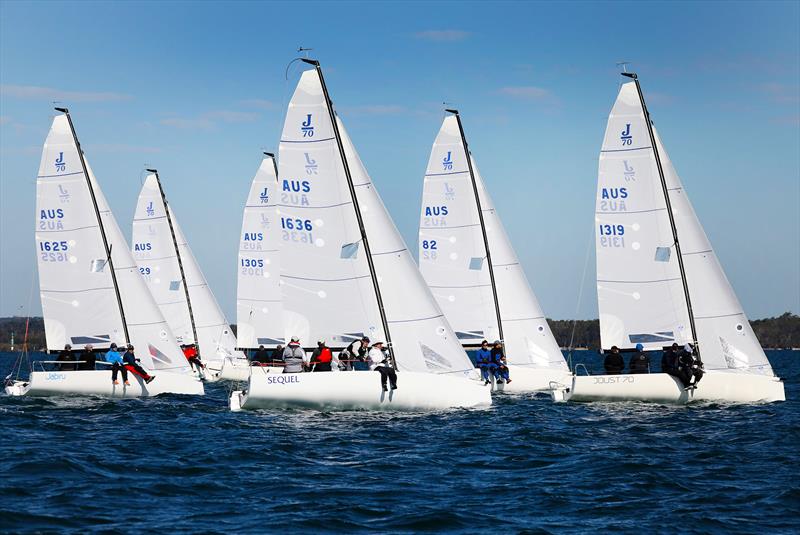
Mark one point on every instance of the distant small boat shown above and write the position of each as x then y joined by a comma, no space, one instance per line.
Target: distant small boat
179,287
346,272
472,269
658,279
91,289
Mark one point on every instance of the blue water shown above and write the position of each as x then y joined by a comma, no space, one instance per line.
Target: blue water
187,464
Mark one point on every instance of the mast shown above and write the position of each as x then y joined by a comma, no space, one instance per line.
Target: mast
360,219
635,78
178,255
483,227
65,111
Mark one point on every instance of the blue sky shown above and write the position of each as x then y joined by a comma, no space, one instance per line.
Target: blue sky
198,89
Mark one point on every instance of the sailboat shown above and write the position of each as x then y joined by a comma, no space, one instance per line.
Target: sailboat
473,271
91,289
178,286
346,272
259,309
659,281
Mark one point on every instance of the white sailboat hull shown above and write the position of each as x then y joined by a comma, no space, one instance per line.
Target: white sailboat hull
98,383
227,369
359,390
663,388
524,379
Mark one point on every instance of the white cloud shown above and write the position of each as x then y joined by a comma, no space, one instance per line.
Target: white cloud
257,103
442,35
122,148
374,109
50,93
208,120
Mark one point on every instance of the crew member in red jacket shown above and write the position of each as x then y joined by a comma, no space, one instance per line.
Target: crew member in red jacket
321,357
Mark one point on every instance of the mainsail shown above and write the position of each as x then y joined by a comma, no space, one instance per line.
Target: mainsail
646,295
91,289
174,277
337,285
259,310
455,263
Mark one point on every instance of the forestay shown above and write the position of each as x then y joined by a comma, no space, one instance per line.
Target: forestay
157,257
454,261
639,286
726,340
79,298
259,310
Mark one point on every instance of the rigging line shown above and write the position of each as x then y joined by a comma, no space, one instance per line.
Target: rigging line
24,356
580,298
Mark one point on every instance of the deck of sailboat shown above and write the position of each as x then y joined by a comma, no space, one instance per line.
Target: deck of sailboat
98,383
355,390
715,386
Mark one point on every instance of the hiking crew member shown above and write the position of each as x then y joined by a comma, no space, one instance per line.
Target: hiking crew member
689,367
66,357
321,357
483,359
498,359
131,364
379,362
261,357
669,361
614,363
640,361
190,352
355,351
114,357
294,356
88,358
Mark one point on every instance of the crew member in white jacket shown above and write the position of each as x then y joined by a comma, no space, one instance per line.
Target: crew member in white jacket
379,361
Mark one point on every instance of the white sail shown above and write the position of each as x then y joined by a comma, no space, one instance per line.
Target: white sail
453,260
326,286
79,300
725,339
259,309
639,287
421,335
451,249
157,257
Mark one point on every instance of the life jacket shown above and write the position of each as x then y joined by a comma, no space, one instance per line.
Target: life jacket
325,355
189,352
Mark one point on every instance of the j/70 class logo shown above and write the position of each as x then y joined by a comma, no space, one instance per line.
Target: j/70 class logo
61,165
447,162
307,128
626,137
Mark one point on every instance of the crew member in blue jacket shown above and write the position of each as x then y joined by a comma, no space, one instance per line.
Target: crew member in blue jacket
483,359
114,357
499,362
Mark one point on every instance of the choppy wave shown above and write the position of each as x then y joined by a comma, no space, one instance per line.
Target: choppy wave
187,464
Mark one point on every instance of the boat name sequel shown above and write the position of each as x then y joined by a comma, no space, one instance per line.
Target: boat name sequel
282,379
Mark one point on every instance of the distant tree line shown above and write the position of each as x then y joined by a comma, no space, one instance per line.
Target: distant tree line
780,332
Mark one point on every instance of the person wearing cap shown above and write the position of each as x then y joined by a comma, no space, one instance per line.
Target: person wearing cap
669,360
321,358
357,350
66,360
687,365
614,363
114,357
294,356
639,362
132,365
483,358
498,360
379,362
88,358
